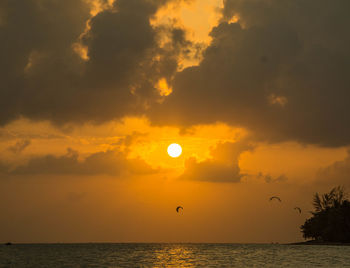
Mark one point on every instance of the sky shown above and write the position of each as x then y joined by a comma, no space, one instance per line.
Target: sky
93,92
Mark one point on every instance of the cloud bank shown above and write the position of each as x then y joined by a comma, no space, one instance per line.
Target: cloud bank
221,167
277,68
112,163
61,64
280,69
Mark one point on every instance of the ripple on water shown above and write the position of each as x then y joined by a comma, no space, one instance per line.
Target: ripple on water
173,255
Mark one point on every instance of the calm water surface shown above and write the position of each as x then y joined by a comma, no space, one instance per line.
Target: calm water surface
173,255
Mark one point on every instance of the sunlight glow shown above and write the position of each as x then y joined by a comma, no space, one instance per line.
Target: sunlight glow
174,150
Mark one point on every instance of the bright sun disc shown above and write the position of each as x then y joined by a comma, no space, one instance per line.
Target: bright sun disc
174,150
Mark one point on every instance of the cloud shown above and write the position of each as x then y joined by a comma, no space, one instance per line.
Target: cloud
113,163
37,53
222,167
269,179
280,70
211,171
337,173
19,146
44,78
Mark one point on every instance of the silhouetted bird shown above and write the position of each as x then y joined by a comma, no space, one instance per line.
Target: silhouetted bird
275,197
299,209
178,208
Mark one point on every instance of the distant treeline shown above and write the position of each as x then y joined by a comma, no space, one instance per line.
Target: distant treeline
330,221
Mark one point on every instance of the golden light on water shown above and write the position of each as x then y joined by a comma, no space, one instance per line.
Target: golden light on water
174,150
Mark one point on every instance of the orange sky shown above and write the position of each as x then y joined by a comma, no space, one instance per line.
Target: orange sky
91,164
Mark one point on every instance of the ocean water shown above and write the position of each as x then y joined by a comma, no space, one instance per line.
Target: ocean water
173,255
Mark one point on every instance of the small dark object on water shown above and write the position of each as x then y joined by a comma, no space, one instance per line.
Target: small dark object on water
8,244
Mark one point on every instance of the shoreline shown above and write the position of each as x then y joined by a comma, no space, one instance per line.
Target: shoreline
319,243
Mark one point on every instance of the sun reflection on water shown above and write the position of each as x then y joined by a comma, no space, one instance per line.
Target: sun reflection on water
174,256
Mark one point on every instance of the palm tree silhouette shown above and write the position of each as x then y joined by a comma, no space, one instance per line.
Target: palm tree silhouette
334,198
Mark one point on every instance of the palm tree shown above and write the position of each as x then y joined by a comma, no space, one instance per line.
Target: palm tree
334,198
330,220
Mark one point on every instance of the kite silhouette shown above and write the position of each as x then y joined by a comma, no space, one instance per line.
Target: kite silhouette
275,197
299,209
178,208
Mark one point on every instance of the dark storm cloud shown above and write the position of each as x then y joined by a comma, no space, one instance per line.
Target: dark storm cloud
282,71
42,77
221,167
35,51
113,163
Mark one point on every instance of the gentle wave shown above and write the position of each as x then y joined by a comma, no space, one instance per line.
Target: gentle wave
173,255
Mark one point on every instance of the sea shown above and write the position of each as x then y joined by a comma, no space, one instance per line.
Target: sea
173,255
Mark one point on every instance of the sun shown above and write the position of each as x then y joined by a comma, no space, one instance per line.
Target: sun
174,150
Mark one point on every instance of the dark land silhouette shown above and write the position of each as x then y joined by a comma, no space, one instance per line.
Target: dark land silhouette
330,221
